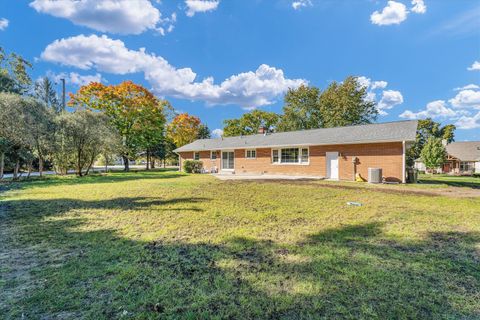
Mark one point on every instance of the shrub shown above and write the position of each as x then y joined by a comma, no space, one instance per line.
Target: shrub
192,166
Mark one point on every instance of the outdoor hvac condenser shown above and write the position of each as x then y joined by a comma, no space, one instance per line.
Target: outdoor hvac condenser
374,175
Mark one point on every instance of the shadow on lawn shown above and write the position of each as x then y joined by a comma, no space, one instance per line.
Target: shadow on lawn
452,181
347,272
71,179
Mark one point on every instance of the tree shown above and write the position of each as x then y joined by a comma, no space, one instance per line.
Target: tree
14,73
184,129
45,92
433,153
346,103
82,135
203,132
340,104
428,128
249,123
301,110
128,107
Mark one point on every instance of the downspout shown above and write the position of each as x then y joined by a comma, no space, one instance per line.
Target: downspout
404,169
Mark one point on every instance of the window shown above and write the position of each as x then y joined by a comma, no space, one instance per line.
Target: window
290,156
251,154
275,156
466,166
213,155
196,156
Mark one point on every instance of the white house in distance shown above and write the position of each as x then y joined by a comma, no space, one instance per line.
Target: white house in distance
462,158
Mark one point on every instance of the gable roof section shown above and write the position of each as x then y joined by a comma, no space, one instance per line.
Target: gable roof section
464,151
370,133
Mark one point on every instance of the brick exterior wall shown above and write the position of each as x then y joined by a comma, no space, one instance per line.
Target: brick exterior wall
388,156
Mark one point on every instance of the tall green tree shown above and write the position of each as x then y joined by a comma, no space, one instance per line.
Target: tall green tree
45,92
346,103
301,110
14,75
249,123
428,128
203,132
433,153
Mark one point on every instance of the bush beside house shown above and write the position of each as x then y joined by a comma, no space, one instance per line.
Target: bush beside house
192,166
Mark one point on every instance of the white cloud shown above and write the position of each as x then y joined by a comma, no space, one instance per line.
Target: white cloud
393,13
390,98
301,3
475,66
466,122
418,6
248,89
76,79
194,6
3,23
466,99
217,133
114,16
467,87
434,109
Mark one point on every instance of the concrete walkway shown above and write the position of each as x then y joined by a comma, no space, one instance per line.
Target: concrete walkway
264,177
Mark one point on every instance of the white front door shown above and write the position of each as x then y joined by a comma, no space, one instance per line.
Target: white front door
228,160
332,165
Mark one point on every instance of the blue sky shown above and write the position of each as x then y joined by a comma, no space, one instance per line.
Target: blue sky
220,58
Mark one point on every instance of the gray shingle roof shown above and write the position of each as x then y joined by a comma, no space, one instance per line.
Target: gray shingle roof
369,133
465,151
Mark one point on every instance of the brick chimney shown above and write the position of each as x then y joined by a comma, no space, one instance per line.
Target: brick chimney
262,130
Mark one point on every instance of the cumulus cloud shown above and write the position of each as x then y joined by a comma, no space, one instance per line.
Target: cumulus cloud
393,13
390,98
461,109
195,6
434,109
217,133
76,79
301,3
418,6
3,23
466,99
248,89
475,66
466,122
467,87
114,16
396,12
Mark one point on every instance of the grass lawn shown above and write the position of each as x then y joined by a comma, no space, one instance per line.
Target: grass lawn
161,245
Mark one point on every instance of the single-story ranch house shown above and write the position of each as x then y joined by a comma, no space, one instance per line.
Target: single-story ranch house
333,153
462,158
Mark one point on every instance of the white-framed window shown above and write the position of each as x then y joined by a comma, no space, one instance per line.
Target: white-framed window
196,156
467,166
291,155
251,154
213,155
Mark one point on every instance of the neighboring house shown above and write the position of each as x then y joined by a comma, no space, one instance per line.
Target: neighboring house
334,153
462,158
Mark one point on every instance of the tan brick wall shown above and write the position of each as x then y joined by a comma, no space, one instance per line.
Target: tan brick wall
387,156
204,157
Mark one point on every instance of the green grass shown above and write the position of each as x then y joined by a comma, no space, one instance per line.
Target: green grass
164,245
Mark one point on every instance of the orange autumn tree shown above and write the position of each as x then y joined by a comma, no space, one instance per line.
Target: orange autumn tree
184,129
137,114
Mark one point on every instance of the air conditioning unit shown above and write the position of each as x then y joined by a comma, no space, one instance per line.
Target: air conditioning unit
374,175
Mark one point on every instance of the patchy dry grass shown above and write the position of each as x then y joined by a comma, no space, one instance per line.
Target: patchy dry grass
167,245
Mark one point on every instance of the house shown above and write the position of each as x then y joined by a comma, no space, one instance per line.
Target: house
333,153
462,158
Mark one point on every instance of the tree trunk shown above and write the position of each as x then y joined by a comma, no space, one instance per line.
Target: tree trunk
152,162
106,163
164,162
126,163
40,166
2,164
16,169
148,160
30,164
